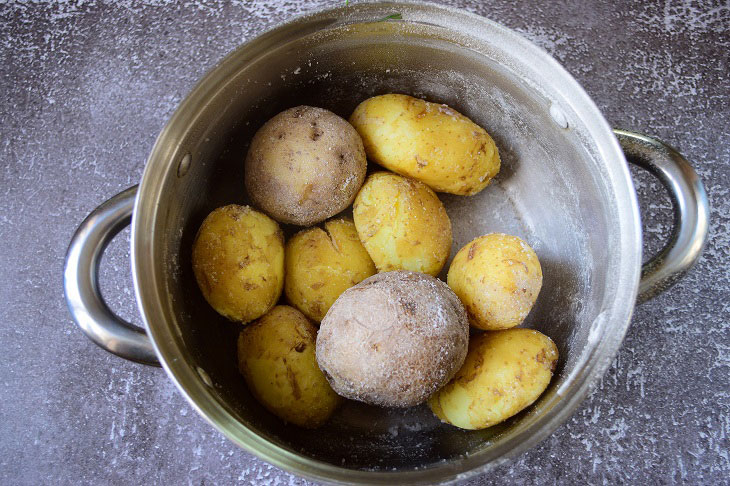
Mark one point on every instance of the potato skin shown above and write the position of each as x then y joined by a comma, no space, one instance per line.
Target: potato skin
238,261
393,339
402,224
304,165
276,356
504,372
321,264
427,141
498,278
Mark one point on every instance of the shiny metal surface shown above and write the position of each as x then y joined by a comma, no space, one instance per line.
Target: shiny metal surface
564,187
81,282
691,211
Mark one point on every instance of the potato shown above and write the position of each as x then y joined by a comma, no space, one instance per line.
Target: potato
321,264
393,339
238,261
427,141
304,165
276,355
504,372
402,224
498,278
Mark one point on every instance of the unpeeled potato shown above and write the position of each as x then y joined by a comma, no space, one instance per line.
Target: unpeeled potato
402,224
498,278
304,165
321,264
276,355
429,142
504,372
238,261
393,339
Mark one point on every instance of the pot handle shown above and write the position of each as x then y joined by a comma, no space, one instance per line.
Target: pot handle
81,285
691,211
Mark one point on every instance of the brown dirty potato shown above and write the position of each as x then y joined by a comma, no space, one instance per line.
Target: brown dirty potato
498,278
504,372
430,142
238,261
393,339
323,263
304,165
276,356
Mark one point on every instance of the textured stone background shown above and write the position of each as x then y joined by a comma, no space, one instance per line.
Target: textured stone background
85,86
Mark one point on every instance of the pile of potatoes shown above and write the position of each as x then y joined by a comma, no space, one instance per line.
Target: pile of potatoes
390,333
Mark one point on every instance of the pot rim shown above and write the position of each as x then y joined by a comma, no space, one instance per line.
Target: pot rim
150,296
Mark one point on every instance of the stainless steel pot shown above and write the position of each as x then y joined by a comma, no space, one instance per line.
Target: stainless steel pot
564,187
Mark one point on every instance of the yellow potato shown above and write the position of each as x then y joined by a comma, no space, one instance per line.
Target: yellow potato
402,224
238,261
497,277
321,264
427,141
276,356
504,372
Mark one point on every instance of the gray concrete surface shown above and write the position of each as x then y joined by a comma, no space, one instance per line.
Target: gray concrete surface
85,86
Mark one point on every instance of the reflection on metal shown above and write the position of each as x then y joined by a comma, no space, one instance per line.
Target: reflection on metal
691,211
568,189
81,286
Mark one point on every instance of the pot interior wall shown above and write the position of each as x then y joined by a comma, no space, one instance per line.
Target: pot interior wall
549,192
